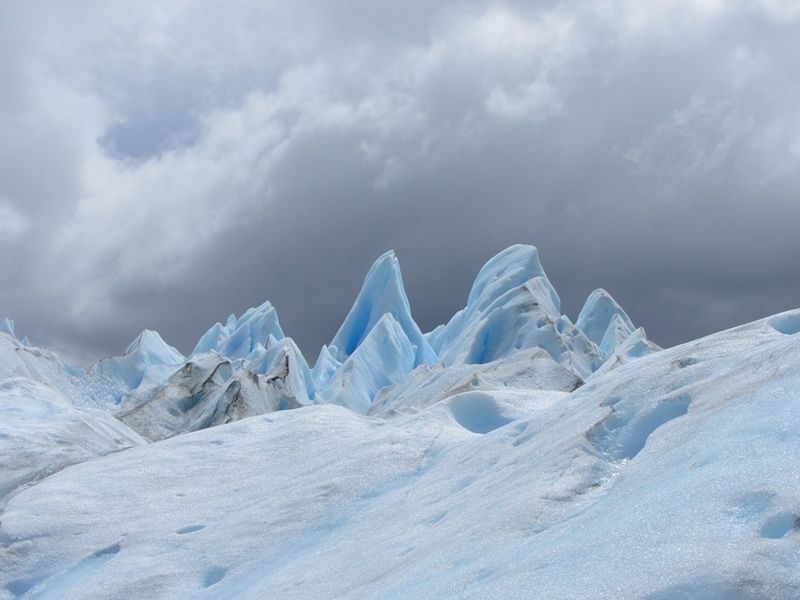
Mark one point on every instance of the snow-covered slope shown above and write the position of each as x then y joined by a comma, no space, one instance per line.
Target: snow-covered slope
532,369
41,433
673,476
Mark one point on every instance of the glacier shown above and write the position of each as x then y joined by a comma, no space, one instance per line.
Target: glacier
510,452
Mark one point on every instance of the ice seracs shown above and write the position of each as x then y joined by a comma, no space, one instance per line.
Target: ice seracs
147,362
381,294
239,337
616,333
208,391
284,355
243,369
512,306
385,356
377,345
7,327
600,314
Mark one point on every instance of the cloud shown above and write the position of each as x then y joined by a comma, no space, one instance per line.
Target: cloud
783,11
696,138
178,162
12,223
536,100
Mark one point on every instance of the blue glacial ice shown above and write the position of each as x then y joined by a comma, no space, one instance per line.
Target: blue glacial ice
385,356
512,307
597,316
377,345
147,362
239,337
7,326
381,294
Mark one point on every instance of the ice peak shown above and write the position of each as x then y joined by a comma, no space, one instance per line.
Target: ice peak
239,337
146,357
382,293
511,268
510,301
153,349
597,316
7,326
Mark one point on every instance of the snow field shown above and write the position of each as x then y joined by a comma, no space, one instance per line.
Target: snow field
600,493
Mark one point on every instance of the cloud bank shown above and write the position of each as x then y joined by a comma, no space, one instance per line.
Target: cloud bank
165,164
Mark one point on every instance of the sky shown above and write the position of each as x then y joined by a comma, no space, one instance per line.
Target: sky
166,164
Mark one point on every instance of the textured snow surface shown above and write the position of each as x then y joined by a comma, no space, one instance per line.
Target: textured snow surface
587,463
41,433
528,370
671,477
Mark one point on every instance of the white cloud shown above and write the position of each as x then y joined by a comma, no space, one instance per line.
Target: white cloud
535,101
12,223
695,139
668,20
783,11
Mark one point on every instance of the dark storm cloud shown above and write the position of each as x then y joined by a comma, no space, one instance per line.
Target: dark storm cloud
164,166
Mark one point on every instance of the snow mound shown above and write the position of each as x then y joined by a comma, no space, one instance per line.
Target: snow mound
532,369
787,323
477,412
41,433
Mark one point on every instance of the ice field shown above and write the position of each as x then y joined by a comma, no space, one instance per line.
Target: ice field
509,453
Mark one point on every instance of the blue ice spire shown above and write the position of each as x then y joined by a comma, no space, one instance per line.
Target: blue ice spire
7,326
382,293
597,316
